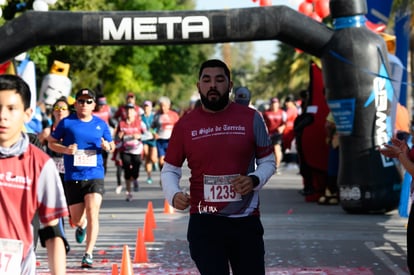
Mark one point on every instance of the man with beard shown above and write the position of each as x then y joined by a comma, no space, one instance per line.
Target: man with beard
219,141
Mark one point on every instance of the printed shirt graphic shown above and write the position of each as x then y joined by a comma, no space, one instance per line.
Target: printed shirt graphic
219,144
88,137
28,182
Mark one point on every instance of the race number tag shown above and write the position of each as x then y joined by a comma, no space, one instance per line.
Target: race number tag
11,254
59,165
85,158
219,189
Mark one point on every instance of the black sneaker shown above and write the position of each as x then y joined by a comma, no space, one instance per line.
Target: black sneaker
136,186
87,260
128,196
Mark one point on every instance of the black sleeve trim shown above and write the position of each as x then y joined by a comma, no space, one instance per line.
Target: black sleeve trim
255,179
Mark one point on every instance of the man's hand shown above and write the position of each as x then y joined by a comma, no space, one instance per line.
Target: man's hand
181,200
242,184
105,145
71,149
395,149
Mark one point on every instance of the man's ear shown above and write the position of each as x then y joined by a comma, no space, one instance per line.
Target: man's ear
28,114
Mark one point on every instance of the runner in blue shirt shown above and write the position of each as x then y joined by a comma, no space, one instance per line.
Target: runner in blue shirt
82,138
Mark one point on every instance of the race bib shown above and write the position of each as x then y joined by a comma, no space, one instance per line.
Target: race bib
59,165
219,189
134,147
11,254
85,158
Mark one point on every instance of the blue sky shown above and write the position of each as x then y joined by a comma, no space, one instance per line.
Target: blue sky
265,49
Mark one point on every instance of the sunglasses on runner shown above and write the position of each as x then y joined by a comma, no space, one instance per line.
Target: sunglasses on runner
83,101
60,108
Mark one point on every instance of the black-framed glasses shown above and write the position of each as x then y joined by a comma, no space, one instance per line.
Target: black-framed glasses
60,108
83,101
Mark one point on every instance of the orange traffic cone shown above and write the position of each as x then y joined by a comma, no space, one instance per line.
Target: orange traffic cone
140,250
126,265
148,233
150,213
168,209
115,269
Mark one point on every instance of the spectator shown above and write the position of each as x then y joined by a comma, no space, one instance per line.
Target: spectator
399,149
331,195
288,134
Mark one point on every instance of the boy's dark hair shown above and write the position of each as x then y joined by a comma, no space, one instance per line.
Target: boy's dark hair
14,82
213,63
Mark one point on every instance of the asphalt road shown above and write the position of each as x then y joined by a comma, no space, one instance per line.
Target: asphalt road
300,237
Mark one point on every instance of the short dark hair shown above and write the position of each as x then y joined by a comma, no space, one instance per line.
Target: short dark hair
14,82
213,63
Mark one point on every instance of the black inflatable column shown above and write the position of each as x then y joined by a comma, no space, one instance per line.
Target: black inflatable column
359,94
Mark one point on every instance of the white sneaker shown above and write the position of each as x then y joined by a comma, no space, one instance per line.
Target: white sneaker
118,189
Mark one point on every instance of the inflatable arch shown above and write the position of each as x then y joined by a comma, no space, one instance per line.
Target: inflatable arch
355,69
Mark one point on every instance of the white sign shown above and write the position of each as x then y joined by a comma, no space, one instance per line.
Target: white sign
148,28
